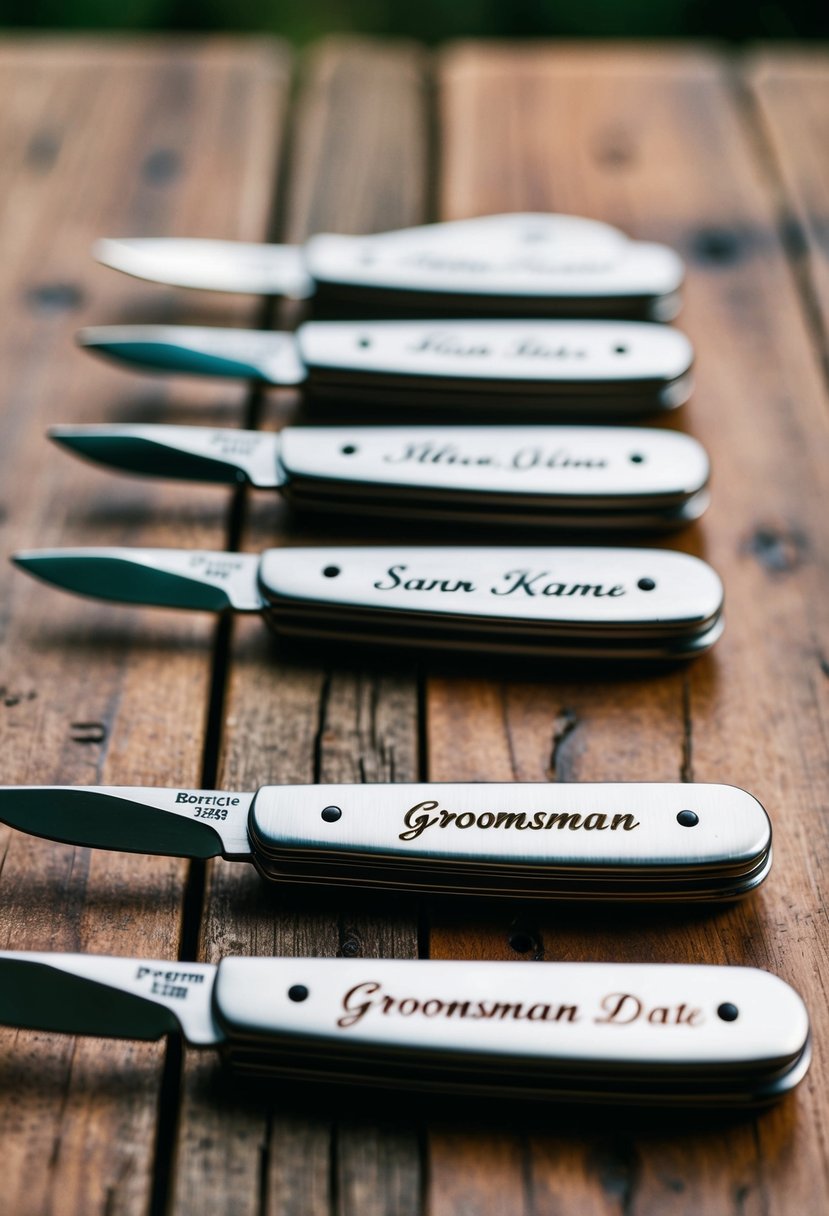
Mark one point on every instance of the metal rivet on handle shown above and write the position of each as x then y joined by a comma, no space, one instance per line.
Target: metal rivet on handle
331,571
620,350
297,992
364,342
728,1012
636,458
646,584
348,449
688,819
331,814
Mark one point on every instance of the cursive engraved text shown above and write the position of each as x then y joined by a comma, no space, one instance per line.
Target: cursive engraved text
430,814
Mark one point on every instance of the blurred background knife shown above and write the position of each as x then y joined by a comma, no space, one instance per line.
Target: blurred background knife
504,265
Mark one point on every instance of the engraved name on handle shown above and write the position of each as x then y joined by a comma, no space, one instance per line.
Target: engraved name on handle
577,461
611,1012
499,350
646,825
583,585
520,253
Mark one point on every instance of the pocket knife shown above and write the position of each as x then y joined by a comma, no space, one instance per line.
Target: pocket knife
567,477
535,602
574,368
631,842
645,1033
510,265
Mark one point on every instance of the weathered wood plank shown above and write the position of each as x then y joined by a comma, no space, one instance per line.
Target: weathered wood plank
101,138
789,91
358,155
642,138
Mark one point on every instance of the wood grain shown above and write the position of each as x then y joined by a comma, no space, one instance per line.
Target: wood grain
788,92
101,138
358,152
675,145
641,138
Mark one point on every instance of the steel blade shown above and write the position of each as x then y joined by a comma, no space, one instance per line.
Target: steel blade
116,997
132,819
187,453
200,350
237,266
165,578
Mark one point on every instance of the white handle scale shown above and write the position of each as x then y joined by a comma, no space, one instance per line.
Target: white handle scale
642,602
594,841
582,467
534,263
628,366
644,1032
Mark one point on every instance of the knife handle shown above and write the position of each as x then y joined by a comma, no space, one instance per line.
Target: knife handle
597,841
592,1029
520,265
526,472
547,602
623,365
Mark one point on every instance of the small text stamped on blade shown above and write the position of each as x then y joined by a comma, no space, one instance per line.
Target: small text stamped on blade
169,983
237,443
215,565
419,818
615,1009
207,806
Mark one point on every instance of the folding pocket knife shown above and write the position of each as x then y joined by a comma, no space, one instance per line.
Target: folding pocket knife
535,602
510,265
567,477
644,1033
626,842
561,368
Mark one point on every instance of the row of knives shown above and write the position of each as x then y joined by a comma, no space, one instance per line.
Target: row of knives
655,1034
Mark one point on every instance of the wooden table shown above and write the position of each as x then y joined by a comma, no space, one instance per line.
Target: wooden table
723,158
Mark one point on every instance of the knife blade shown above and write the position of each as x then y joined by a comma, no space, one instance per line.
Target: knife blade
629,842
568,477
510,265
522,602
646,1033
569,368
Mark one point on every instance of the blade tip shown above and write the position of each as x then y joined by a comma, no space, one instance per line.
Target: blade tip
105,248
90,335
60,434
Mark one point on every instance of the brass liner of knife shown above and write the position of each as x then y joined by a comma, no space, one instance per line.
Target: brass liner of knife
508,265
649,1034
617,478
629,842
546,603
572,369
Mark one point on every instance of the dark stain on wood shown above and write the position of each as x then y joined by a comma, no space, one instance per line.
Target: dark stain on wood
777,550
161,167
49,298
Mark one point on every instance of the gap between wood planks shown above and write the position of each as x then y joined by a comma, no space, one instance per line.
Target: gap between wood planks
741,73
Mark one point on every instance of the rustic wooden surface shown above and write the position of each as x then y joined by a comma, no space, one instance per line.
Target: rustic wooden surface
722,158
